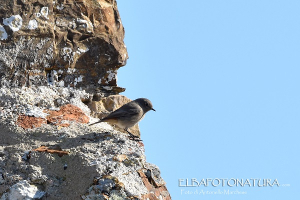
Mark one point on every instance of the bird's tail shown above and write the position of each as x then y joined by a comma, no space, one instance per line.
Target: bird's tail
95,123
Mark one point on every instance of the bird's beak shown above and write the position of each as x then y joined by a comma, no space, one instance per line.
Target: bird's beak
153,109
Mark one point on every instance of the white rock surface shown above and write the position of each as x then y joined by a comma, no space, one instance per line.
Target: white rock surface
23,191
101,161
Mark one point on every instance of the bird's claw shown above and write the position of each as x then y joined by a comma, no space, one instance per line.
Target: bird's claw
134,138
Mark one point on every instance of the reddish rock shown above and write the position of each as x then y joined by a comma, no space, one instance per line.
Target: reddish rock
55,149
30,122
156,191
67,112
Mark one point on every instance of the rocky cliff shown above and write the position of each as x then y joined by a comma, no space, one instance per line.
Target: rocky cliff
58,68
76,43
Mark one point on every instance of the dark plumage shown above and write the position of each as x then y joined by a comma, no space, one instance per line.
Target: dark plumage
129,114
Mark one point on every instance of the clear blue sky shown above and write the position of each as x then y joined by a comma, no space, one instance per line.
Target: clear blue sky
224,77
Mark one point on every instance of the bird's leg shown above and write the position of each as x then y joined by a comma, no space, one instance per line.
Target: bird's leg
133,137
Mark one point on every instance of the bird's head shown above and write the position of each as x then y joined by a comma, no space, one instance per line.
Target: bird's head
145,104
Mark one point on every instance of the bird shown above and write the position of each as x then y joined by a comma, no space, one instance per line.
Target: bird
128,115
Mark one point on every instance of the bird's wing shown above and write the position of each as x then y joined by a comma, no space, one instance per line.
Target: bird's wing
125,111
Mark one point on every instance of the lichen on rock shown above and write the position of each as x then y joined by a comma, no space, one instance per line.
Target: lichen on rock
42,41
70,162
58,73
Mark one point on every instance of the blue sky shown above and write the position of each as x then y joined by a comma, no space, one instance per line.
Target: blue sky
223,76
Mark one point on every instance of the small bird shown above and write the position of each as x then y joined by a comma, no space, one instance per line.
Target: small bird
129,114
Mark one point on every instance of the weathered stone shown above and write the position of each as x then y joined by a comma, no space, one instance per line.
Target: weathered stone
55,149
30,121
153,173
156,191
58,66
67,112
120,158
109,104
23,191
63,43
62,117
98,161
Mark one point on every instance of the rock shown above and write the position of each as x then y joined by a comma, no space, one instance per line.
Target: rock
74,162
67,112
72,44
153,174
53,149
1,179
120,158
36,175
23,191
30,121
58,72
60,117
155,191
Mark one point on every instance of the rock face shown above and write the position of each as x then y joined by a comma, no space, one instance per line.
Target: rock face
58,67
52,161
63,43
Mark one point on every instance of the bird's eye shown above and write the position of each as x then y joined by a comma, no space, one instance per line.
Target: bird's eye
146,104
